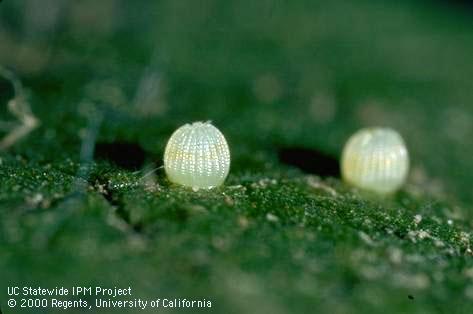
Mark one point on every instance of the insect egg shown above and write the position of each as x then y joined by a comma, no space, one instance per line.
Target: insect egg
197,156
375,159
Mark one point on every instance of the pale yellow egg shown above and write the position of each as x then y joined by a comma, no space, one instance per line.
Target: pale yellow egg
197,156
375,159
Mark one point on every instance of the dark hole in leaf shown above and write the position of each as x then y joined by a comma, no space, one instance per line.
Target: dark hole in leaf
310,161
410,297
123,154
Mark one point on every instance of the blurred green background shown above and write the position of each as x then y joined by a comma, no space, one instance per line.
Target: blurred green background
109,82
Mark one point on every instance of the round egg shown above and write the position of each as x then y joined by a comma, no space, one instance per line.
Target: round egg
375,159
197,156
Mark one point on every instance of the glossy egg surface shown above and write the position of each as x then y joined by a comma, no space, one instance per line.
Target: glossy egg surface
197,156
375,159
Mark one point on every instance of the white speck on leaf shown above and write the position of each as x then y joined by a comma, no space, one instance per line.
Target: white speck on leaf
272,218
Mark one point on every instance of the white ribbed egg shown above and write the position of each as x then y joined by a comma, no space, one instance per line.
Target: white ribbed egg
197,156
375,159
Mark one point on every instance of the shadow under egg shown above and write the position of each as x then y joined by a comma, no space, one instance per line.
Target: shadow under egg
310,161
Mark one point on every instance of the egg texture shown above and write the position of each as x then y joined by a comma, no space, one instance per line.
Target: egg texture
375,159
197,156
